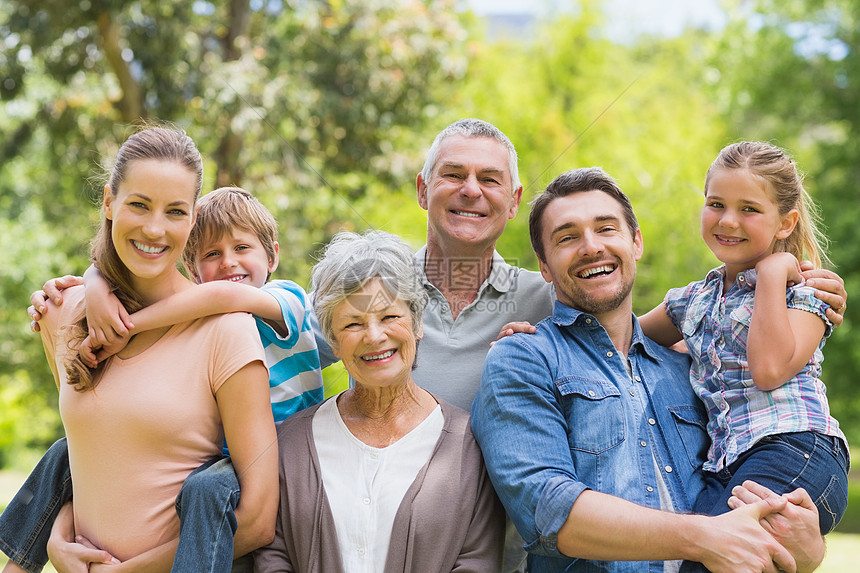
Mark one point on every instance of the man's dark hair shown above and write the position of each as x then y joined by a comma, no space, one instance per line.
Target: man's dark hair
568,183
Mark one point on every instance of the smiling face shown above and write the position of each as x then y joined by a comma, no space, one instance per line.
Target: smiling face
469,197
374,336
590,252
237,257
740,220
152,214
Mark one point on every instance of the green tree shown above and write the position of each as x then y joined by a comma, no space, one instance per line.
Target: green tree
310,105
570,98
789,72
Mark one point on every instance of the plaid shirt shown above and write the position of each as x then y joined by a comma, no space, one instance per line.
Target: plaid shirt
715,328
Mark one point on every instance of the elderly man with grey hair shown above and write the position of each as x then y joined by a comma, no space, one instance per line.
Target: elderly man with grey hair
470,188
385,476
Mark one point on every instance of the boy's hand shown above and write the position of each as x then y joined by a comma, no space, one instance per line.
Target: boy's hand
830,288
92,353
53,291
87,352
54,288
108,321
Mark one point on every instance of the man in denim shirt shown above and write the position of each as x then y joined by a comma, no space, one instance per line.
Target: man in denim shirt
591,434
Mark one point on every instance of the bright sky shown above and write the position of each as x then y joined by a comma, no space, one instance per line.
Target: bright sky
626,16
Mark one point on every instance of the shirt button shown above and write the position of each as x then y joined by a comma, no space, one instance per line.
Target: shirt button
591,393
652,421
668,469
374,455
365,500
637,379
632,393
361,551
609,354
649,488
587,321
642,443
806,456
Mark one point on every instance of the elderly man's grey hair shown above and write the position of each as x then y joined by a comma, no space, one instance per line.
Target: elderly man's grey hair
471,127
351,260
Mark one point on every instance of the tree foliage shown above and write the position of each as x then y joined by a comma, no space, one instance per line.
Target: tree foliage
325,108
790,73
312,105
571,98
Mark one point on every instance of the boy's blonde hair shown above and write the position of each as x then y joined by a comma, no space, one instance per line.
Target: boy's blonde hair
221,212
779,172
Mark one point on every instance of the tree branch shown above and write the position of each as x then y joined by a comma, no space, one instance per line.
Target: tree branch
130,105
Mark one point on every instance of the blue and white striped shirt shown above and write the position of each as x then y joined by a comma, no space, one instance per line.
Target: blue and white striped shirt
295,379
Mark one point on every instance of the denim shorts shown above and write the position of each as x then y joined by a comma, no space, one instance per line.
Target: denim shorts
784,462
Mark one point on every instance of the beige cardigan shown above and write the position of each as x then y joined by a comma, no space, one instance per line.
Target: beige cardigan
449,520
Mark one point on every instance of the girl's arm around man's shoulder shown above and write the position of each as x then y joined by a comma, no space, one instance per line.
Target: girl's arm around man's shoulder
657,326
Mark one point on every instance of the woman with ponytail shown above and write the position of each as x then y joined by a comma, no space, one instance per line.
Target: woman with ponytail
143,420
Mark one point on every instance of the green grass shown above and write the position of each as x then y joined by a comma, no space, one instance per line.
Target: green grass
843,552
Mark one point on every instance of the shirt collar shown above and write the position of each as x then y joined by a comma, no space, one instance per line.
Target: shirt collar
501,274
418,261
563,315
745,280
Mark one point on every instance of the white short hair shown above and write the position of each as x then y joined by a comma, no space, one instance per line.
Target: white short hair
471,127
352,260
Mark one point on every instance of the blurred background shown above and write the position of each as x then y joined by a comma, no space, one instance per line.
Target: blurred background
325,110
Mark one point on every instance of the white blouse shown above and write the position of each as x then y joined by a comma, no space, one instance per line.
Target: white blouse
365,485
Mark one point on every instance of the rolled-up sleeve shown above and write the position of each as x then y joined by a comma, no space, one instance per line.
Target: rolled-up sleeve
520,423
675,302
801,297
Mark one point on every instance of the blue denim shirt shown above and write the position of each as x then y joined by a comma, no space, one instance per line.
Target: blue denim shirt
557,413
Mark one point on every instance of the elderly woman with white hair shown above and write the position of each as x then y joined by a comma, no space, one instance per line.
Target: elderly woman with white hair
384,477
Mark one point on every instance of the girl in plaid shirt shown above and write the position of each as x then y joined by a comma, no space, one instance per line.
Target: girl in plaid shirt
755,342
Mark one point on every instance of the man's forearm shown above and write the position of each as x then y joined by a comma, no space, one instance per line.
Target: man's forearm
607,528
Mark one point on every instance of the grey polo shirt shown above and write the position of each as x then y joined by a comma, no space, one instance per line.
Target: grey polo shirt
452,352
